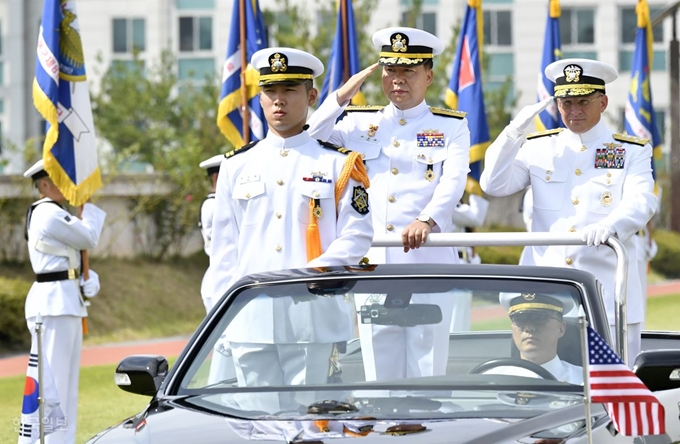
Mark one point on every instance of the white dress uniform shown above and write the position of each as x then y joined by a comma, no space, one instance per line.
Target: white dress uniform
417,160
572,189
55,238
261,219
562,371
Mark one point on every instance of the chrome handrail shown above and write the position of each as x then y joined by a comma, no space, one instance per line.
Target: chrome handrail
536,239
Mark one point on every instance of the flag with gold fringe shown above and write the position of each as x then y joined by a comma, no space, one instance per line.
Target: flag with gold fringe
640,119
549,118
465,89
61,96
230,109
344,60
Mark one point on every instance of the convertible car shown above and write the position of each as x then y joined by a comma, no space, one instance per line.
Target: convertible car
487,395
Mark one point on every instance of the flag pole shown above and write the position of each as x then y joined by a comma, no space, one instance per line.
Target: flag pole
244,65
583,324
41,395
345,43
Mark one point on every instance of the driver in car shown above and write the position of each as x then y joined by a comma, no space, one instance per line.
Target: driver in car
537,326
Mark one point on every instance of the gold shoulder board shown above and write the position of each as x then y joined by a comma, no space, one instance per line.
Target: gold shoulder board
364,108
448,112
332,146
630,139
538,134
243,149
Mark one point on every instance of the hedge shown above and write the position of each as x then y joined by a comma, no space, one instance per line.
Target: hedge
667,260
14,335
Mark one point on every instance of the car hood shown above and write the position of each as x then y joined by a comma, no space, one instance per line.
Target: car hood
170,422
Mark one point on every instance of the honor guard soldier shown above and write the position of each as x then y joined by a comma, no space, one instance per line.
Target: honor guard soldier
205,222
585,178
417,158
55,238
287,201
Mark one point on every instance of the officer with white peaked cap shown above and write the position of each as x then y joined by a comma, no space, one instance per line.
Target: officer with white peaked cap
55,238
585,178
417,157
287,201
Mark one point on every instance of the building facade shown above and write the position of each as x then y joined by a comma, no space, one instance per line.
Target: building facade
196,31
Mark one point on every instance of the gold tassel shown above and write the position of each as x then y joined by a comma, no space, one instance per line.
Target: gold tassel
313,235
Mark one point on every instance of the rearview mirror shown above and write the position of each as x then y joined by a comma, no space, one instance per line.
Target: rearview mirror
408,316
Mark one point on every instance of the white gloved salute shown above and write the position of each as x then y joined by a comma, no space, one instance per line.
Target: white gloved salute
525,116
91,286
596,234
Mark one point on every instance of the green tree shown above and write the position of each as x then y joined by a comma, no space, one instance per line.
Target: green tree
147,115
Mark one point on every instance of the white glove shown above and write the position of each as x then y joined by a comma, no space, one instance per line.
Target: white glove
526,115
91,286
596,234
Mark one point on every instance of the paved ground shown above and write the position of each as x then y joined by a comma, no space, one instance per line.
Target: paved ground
113,353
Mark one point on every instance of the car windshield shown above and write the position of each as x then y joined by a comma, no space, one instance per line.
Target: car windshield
511,349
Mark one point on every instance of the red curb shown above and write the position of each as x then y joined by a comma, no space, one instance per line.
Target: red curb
112,354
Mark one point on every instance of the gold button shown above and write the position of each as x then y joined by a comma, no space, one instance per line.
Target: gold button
572,229
316,194
277,248
390,227
608,181
548,171
284,153
578,172
609,174
569,261
278,215
402,121
391,199
547,177
395,171
583,148
247,195
280,182
575,201
395,143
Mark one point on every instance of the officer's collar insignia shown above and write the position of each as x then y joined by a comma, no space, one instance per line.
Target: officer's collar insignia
360,200
529,296
572,73
613,155
430,138
278,63
399,42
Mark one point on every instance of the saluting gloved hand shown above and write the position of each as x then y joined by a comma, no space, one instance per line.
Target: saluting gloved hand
525,116
596,234
91,286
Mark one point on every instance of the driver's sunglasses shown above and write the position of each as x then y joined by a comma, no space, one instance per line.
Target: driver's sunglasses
535,319
582,103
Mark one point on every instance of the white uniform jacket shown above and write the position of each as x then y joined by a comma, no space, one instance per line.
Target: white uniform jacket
53,225
562,371
260,224
207,208
570,192
400,151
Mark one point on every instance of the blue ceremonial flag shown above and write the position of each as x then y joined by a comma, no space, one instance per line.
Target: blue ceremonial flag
344,60
640,119
465,89
230,113
549,118
61,96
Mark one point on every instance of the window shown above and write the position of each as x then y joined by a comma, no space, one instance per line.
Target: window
498,27
195,34
577,27
196,69
627,35
427,21
195,4
128,35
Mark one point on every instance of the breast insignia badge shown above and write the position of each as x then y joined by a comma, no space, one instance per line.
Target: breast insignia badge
606,198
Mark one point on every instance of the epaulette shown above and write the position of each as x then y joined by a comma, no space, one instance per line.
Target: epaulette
243,149
334,147
630,139
448,112
364,108
538,134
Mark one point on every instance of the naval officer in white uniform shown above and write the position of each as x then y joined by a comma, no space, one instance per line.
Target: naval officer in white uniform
205,221
288,201
55,238
417,157
585,178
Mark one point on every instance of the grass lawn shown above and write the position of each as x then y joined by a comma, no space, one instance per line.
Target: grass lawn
663,313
